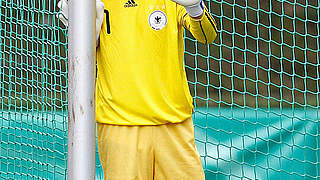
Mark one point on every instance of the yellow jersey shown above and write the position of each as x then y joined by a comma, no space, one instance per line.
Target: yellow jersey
141,78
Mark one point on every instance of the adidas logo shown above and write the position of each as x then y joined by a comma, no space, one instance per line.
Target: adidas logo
130,3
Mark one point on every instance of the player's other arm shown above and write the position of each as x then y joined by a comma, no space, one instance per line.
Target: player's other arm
199,22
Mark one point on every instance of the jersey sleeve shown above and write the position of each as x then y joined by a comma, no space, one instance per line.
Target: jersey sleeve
204,29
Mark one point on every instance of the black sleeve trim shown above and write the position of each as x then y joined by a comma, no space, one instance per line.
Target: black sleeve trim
183,20
205,37
213,24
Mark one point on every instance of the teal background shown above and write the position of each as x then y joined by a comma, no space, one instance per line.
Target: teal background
233,143
256,90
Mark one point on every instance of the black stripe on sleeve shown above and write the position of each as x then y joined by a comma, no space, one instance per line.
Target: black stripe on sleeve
183,20
205,37
184,15
214,27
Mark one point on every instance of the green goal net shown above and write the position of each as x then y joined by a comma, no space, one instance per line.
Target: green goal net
33,86
256,91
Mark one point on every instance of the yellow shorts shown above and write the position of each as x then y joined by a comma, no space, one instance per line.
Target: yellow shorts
163,152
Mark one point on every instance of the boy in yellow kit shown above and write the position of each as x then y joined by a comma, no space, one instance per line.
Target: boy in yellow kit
143,103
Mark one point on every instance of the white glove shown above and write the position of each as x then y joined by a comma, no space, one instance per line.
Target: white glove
193,7
63,12
63,15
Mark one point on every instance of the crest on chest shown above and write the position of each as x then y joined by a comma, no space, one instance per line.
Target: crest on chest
157,20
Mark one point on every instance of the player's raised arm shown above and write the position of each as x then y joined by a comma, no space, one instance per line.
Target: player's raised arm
195,17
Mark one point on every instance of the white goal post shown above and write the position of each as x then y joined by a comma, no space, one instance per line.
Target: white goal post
81,81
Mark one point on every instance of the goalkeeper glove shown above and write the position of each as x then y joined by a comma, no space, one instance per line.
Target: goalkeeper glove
63,15
193,7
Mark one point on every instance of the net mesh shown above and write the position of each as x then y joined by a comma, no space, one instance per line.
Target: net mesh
33,91
255,89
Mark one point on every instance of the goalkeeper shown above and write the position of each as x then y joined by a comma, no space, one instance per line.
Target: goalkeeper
143,104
